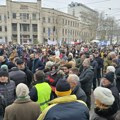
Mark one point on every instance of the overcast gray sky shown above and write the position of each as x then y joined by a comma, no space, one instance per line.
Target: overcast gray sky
100,5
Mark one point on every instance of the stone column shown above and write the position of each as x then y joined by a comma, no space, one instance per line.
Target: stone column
18,33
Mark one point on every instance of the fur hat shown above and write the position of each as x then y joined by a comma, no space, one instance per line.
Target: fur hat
110,76
62,88
111,69
22,90
104,95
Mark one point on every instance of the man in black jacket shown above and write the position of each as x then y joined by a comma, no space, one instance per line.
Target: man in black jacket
86,79
37,63
94,64
73,80
17,76
29,74
100,66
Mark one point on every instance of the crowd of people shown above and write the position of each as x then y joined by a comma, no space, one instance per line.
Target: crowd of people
42,82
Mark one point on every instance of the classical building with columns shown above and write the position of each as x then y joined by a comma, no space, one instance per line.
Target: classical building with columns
28,23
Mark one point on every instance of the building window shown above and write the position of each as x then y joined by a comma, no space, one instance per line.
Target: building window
34,16
5,18
44,30
0,28
34,26
53,20
14,15
49,31
5,28
68,22
24,27
0,17
63,32
44,19
63,21
48,20
14,27
24,16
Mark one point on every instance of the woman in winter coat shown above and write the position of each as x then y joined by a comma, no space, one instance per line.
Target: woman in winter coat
22,108
103,101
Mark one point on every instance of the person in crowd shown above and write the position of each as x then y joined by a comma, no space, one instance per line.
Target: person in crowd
94,64
30,61
66,106
22,108
48,66
4,61
82,58
110,69
103,102
108,82
74,82
1,50
74,70
86,79
66,68
21,66
71,60
7,88
100,66
108,60
37,63
53,77
63,56
117,117
116,64
41,91
57,51
5,68
17,76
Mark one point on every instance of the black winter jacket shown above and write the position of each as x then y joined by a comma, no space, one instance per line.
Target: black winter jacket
80,94
86,79
17,76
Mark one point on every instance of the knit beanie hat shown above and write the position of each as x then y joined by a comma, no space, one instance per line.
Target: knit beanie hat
104,95
110,76
4,67
4,73
22,90
62,88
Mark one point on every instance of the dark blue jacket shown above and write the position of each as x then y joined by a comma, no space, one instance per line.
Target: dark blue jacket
66,108
37,64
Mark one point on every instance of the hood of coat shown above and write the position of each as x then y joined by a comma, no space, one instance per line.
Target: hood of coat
64,99
22,100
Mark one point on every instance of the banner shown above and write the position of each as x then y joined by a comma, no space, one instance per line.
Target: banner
50,42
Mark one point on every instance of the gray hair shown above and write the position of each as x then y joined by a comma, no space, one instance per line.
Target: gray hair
74,78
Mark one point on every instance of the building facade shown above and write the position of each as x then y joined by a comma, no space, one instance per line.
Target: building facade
87,16
28,23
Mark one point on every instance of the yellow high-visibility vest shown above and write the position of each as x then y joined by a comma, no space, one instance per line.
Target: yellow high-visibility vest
43,94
